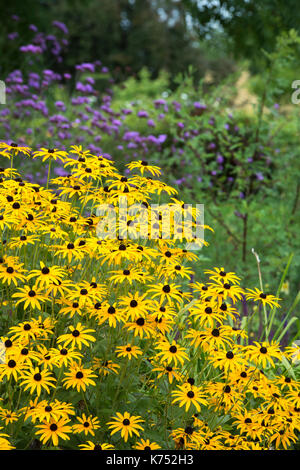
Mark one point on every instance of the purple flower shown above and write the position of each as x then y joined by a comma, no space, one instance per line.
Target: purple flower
31,48
61,26
220,158
211,146
142,113
259,176
176,105
86,67
60,105
159,102
12,36
199,105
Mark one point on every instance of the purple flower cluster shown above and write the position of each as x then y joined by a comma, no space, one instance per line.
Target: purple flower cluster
185,136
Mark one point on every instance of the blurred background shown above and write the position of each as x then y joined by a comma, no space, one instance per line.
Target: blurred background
201,88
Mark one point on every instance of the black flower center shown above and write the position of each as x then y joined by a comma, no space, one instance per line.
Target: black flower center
189,430
215,332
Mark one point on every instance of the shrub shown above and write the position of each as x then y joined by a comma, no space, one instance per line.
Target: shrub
111,342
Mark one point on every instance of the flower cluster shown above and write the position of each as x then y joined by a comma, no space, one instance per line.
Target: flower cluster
200,143
112,339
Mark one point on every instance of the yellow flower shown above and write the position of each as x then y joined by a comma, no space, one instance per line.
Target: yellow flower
125,423
129,351
54,430
188,395
79,377
78,336
87,424
146,445
50,153
35,380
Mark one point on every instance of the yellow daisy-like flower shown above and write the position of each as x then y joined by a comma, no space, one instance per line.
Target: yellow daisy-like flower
129,351
166,370
96,446
146,445
4,443
53,430
127,424
188,395
36,380
171,352
78,336
50,153
105,367
8,416
87,424
15,148
31,296
79,378
259,296
263,353
143,165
